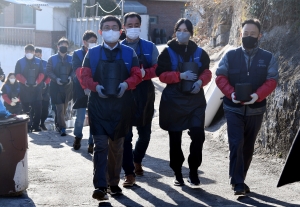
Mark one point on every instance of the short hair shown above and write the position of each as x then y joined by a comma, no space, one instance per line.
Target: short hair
29,47
188,24
88,34
132,15
62,40
252,21
108,18
38,50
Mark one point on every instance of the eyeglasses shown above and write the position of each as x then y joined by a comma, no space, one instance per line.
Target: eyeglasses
114,28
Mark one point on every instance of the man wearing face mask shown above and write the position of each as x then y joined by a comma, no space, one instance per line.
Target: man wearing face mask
245,69
29,72
59,69
80,96
110,71
143,94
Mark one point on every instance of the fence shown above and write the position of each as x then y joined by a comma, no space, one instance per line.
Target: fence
17,35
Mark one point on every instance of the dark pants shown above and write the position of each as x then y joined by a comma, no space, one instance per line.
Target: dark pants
34,110
45,111
242,132
197,136
141,145
61,110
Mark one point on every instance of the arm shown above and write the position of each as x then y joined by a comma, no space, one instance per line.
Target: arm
6,98
41,75
135,74
76,63
206,75
270,84
49,70
18,74
85,77
150,72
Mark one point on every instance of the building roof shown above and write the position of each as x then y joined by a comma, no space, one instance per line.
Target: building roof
28,2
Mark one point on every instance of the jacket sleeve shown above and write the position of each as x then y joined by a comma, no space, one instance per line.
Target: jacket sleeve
205,77
135,74
85,78
41,75
266,89
49,70
150,72
47,80
224,85
76,63
6,99
18,73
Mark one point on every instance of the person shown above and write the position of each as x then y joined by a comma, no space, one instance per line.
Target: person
110,71
184,67
2,75
144,96
11,94
257,68
45,92
59,69
80,96
29,72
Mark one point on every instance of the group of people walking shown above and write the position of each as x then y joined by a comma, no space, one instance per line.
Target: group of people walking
113,80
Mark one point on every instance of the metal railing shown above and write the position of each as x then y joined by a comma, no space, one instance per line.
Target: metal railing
17,35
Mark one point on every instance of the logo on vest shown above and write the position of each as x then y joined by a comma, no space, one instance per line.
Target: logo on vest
261,63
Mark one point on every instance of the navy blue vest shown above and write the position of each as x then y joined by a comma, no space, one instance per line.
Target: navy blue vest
256,74
44,63
79,54
9,89
55,59
23,62
94,56
174,58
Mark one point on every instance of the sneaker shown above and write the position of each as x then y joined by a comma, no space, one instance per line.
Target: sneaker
36,129
138,170
129,181
77,144
247,189
193,179
114,190
91,149
178,180
43,127
100,194
239,189
63,132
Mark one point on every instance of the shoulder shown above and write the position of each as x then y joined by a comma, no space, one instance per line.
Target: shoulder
147,42
266,52
126,48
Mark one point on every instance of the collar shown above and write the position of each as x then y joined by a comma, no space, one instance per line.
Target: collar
133,42
250,52
110,48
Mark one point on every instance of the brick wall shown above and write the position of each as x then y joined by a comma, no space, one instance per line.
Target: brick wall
168,14
48,38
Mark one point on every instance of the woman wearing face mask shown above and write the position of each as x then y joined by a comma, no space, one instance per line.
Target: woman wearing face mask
10,94
184,67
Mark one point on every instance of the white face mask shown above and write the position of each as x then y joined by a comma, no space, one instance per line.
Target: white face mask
12,80
92,45
29,56
110,36
133,33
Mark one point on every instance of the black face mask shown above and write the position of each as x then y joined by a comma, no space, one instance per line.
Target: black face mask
250,42
63,49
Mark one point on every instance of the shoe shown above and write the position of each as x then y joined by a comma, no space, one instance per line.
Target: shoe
114,190
43,127
129,181
239,189
91,149
36,129
138,170
29,129
76,144
247,189
178,180
100,194
193,179
63,132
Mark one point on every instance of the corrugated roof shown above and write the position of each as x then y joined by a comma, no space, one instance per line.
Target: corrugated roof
28,2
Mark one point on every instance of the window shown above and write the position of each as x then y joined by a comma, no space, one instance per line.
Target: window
24,15
153,19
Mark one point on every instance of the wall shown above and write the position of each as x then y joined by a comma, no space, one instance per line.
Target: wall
44,20
167,12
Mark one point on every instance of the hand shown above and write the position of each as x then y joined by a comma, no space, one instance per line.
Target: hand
143,72
233,98
254,97
188,75
15,100
196,86
58,81
45,85
35,84
87,91
70,80
99,89
122,87
26,84
12,103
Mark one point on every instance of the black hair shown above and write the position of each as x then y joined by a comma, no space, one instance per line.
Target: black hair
108,18
63,40
88,34
7,78
132,15
38,50
256,22
29,47
188,24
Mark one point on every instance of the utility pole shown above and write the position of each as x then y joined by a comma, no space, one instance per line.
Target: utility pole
122,11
